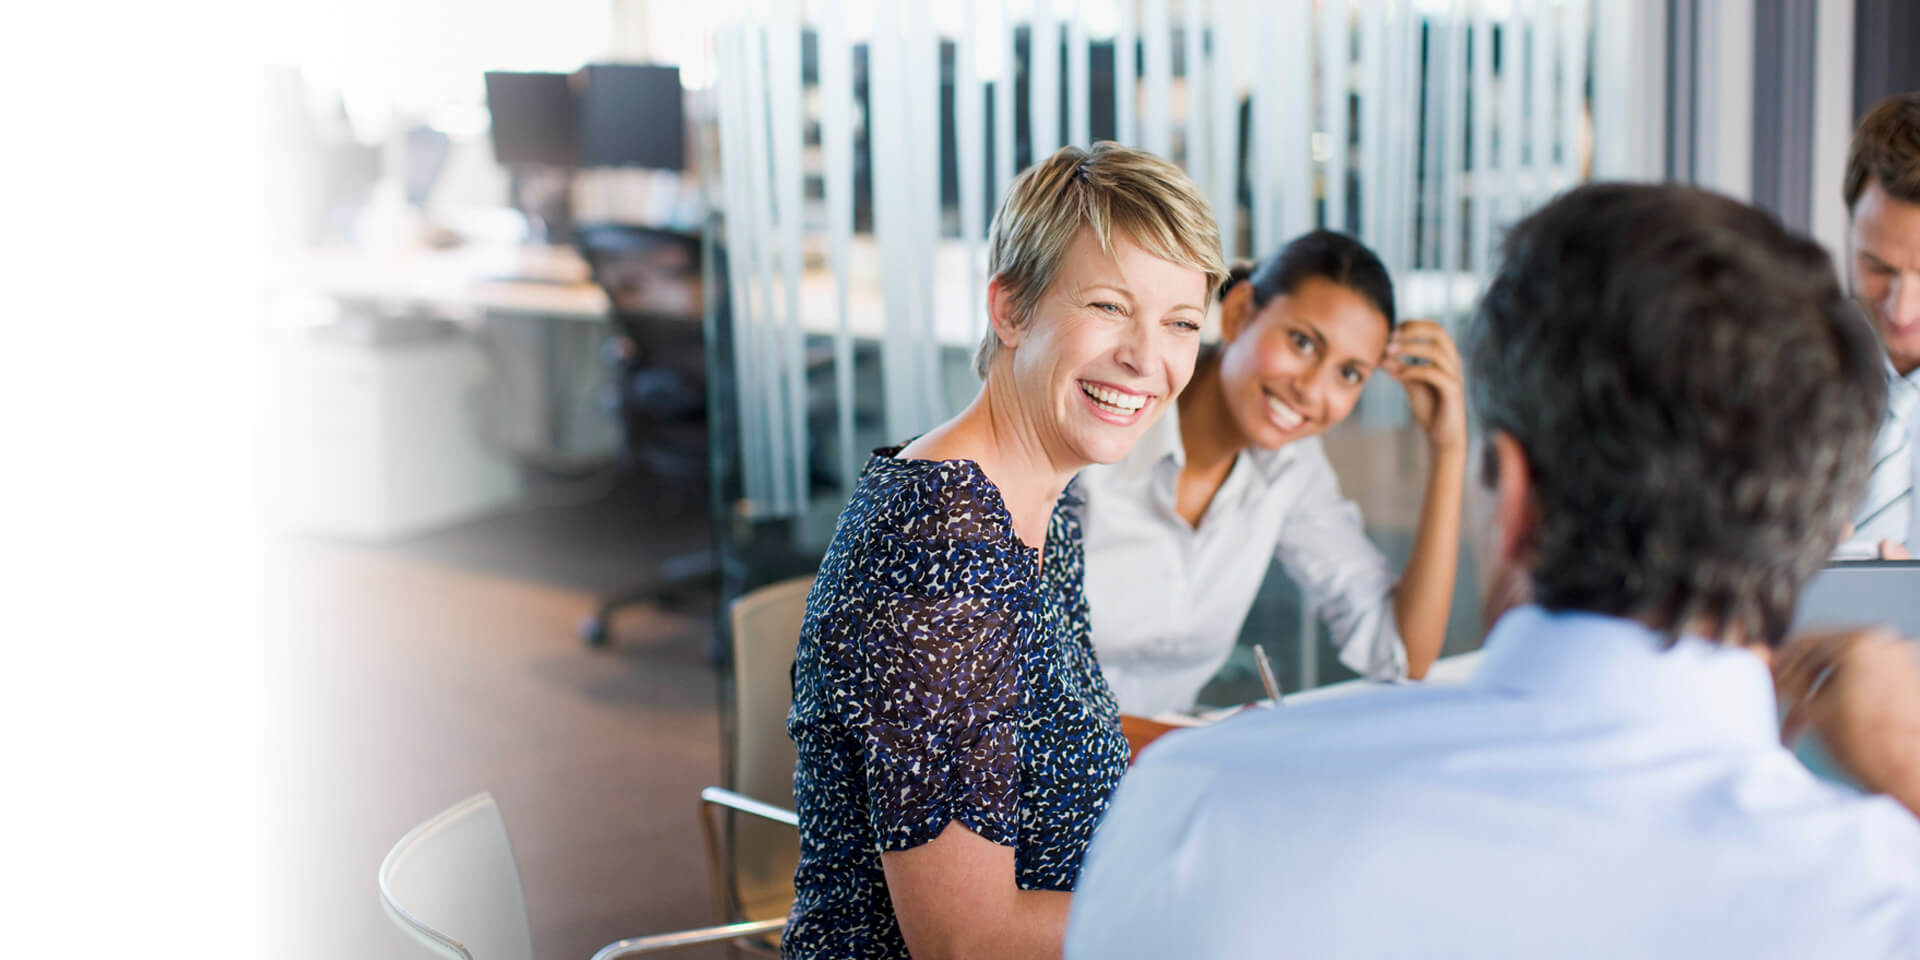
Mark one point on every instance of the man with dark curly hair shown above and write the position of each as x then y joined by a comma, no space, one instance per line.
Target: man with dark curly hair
1882,191
1678,402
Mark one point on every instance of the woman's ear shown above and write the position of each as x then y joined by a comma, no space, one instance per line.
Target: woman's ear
1002,312
1236,310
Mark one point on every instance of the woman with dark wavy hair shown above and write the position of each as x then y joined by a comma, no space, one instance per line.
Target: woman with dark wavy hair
1180,534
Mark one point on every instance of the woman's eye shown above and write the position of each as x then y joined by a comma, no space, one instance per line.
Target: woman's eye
1300,340
1187,326
1352,375
1107,307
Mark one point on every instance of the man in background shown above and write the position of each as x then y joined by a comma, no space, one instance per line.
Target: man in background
1679,402
1882,191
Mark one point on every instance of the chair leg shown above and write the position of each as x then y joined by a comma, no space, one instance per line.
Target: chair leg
667,586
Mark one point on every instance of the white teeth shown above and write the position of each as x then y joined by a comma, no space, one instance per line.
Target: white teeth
1285,416
1122,403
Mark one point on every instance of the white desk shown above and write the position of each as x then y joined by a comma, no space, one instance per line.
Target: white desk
375,436
1456,669
458,283
1445,671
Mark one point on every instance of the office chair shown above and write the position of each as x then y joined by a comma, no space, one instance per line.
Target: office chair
652,280
753,857
453,886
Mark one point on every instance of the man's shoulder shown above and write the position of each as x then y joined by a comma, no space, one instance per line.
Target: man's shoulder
1358,734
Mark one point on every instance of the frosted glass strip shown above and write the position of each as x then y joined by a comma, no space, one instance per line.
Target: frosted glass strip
1369,219
1393,105
1832,122
1224,94
1406,154
1264,109
1336,72
970,145
729,57
1427,253
1043,81
1508,206
1453,133
1156,27
1616,148
1573,92
1481,226
892,226
765,339
1079,80
1193,51
1294,147
1126,118
1003,107
923,85
1540,56
836,153
787,131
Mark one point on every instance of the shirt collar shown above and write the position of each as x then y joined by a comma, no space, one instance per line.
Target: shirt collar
1624,669
1162,442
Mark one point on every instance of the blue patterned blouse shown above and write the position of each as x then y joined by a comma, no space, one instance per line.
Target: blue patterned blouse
941,678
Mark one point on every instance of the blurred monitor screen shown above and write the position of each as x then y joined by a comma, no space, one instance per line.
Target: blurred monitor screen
536,119
633,116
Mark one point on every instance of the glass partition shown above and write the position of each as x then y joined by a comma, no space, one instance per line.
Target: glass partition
862,147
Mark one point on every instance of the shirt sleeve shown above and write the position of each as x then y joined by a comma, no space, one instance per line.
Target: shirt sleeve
1348,581
936,691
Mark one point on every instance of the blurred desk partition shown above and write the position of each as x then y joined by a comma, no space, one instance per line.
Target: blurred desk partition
440,374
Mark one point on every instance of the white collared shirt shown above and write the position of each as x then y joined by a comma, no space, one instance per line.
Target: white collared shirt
1913,444
1586,794
1866,546
1167,600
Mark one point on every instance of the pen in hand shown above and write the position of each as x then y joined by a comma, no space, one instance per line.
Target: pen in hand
1265,667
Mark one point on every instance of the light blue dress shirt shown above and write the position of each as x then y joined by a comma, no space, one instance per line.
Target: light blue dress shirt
1588,794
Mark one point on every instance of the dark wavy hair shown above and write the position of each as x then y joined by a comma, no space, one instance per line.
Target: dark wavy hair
1323,254
1694,396
1886,149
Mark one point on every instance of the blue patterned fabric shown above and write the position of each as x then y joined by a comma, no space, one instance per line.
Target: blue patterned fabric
940,678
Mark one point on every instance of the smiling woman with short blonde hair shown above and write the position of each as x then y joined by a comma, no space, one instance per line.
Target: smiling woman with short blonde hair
957,742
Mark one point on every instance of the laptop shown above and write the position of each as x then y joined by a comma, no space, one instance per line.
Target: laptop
1851,594
1862,593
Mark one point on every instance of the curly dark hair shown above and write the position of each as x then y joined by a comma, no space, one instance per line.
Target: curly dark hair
1694,395
1886,150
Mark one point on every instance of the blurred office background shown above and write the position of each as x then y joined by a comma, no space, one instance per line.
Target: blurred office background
579,319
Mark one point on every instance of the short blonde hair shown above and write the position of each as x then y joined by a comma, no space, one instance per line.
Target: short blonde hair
1107,188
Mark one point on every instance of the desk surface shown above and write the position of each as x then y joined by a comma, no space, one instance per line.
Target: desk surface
478,277
1445,671
458,280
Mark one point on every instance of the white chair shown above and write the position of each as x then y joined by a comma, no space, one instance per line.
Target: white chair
453,885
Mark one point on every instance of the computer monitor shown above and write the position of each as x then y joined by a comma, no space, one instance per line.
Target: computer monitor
633,116
536,119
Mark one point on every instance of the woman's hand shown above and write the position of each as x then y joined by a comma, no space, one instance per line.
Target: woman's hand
1424,359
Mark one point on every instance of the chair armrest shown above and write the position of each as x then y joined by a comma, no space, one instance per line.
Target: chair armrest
722,797
713,800
685,938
